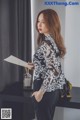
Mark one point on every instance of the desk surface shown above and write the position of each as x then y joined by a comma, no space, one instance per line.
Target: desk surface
18,99
73,102
17,94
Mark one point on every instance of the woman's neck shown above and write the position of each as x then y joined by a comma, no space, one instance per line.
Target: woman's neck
47,34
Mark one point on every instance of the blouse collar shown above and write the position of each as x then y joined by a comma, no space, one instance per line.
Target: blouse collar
48,37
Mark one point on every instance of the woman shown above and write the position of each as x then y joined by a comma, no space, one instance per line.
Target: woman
48,75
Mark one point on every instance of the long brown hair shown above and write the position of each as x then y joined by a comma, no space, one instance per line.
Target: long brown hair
52,22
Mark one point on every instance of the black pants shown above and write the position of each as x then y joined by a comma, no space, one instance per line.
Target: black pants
46,107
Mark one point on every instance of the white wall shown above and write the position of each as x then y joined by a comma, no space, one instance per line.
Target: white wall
72,41
66,114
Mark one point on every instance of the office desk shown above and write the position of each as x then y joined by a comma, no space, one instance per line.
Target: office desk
73,102
15,97
22,105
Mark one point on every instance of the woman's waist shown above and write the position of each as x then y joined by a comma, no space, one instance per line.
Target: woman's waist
37,84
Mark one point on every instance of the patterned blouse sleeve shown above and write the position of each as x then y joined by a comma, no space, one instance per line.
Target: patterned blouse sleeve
51,70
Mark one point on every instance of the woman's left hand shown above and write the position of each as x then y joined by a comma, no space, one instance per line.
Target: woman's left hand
38,95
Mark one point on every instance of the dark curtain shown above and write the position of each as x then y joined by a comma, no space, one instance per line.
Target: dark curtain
15,39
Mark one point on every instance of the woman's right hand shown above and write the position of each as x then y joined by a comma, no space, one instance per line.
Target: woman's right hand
30,66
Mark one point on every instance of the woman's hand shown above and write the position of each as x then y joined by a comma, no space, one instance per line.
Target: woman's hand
38,95
30,66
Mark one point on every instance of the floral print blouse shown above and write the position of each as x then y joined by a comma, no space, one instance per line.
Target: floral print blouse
48,66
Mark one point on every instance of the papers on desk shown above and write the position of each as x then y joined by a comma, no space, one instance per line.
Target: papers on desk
15,60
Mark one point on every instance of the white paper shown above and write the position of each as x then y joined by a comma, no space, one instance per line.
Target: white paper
15,60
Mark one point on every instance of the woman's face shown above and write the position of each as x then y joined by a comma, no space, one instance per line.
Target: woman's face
41,25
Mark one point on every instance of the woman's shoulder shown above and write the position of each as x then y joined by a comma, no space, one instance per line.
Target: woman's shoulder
51,42
44,46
